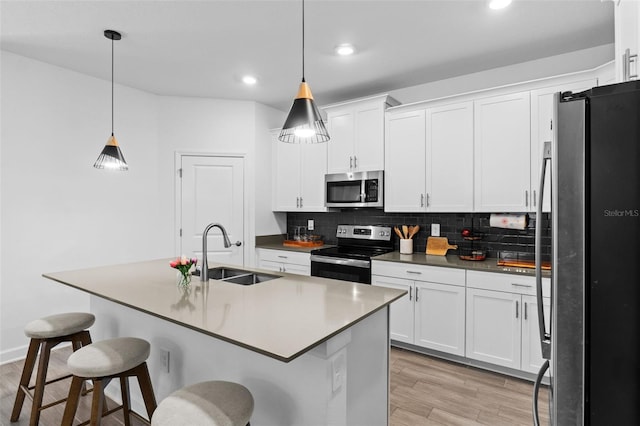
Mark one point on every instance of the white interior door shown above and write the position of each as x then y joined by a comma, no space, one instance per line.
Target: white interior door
212,191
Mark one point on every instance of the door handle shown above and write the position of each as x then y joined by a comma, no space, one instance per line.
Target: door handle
410,291
355,162
300,202
427,199
421,200
417,293
238,243
526,198
350,163
517,305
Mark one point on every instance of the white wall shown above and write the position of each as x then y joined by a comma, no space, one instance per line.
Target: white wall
58,212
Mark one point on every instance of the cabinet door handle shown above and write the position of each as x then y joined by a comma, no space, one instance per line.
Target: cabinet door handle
534,198
521,285
283,257
410,291
300,202
525,311
517,309
627,58
417,293
421,200
297,202
414,272
428,199
355,162
526,198
350,163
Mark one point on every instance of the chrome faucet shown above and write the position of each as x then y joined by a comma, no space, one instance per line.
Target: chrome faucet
204,270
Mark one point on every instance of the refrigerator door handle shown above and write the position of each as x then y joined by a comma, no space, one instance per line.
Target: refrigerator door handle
536,389
545,338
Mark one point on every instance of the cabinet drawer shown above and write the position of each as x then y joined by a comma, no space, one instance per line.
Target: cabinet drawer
285,256
510,283
419,272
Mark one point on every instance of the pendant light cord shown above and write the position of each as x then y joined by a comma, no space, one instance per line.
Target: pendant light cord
303,40
112,86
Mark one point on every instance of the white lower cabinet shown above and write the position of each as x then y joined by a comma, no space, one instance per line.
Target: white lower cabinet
531,351
493,327
284,261
432,313
502,320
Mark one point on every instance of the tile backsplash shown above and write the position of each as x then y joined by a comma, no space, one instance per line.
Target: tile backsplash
494,240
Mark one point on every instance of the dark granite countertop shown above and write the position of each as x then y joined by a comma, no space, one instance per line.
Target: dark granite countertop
453,261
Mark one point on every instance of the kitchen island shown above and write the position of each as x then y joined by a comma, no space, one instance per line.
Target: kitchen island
312,351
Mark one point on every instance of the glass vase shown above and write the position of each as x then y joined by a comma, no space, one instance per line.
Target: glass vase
183,279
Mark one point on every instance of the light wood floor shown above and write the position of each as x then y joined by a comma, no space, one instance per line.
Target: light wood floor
424,391
429,391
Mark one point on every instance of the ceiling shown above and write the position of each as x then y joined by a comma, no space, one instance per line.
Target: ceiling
202,48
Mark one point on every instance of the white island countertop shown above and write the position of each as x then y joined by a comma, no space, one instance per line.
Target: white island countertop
282,318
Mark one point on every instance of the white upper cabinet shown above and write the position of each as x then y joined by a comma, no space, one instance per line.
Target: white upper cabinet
429,159
627,39
502,153
449,173
405,156
298,173
357,134
542,107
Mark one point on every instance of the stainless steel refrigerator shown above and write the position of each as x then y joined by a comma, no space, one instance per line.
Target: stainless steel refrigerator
593,340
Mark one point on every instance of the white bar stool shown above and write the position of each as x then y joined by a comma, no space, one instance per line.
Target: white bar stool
46,333
214,403
102,361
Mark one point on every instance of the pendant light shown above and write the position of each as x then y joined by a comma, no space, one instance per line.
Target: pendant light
111,157
304,122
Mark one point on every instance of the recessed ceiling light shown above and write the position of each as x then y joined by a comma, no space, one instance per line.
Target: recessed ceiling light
499,4
345,49
249,80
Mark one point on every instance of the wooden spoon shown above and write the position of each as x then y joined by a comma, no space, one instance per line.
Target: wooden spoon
405,231
397,231
413,230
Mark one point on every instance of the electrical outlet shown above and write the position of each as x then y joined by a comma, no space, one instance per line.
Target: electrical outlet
310,225
164,359
435,229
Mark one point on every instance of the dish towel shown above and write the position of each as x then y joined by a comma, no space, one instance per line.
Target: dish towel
508,221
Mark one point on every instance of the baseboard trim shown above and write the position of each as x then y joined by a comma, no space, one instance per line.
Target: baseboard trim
20,353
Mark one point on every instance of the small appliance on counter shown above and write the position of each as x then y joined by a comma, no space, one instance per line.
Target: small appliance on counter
350,260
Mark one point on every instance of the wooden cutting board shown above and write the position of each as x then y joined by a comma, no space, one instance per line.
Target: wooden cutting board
439,246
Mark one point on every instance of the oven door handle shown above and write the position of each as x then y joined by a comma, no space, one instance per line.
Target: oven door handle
340,261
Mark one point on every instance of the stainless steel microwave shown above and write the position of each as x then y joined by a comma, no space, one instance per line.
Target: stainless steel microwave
361,189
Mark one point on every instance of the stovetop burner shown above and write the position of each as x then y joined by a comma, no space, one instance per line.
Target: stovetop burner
359,242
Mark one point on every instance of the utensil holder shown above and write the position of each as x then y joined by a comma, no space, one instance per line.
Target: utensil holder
406,246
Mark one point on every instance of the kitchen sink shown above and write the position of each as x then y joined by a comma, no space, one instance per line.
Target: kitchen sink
251,278
221,273
237,276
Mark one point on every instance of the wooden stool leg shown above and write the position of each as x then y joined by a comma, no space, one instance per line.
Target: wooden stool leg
97,401
142,372
41,379
27,370
72,401
126,400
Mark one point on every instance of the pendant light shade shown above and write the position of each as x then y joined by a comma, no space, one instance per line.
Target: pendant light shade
111,157
304,123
